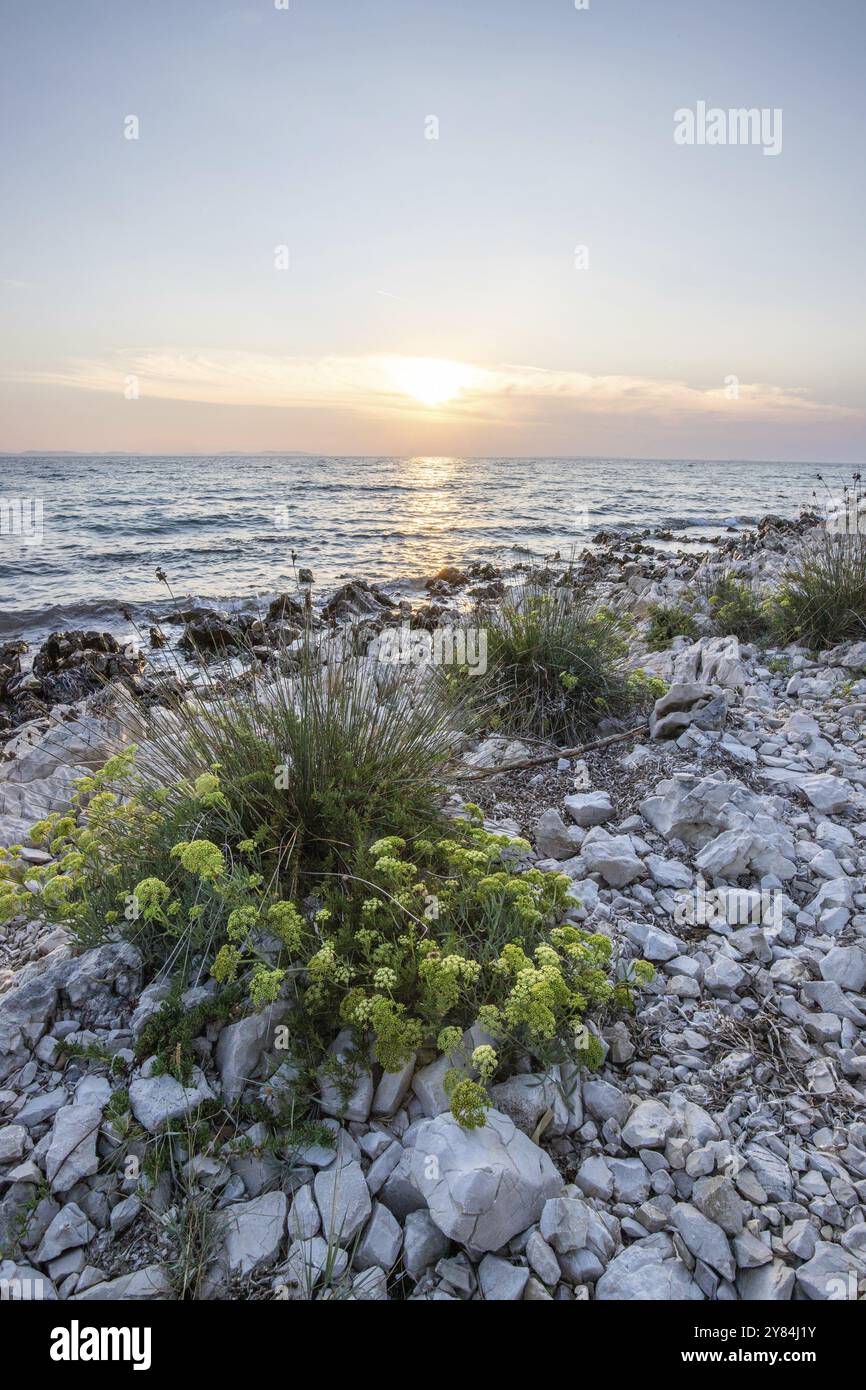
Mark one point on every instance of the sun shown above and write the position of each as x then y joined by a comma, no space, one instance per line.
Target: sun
430,380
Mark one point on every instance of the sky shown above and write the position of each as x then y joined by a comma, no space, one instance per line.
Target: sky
433,227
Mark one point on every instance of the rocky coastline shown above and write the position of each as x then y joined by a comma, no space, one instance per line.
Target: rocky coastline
719,1153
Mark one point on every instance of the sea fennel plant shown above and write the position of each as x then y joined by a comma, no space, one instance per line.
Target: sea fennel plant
409,944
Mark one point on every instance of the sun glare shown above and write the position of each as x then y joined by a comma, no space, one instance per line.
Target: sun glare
430,380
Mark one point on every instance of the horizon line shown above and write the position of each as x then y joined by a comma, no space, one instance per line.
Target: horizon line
313,454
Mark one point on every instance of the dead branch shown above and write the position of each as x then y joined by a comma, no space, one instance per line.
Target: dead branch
477,773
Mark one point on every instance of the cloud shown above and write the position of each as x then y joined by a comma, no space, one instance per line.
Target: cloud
395,385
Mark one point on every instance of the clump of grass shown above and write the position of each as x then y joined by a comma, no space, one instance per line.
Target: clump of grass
668,621
193,1233
556,663
314,761
821,600
738,611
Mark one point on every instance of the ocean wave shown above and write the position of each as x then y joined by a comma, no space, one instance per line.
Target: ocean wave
111,520
694,523
61,617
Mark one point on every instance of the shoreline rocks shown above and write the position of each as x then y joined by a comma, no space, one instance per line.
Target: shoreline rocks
718,1153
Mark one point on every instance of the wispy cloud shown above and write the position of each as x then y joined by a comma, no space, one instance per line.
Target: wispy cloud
401,385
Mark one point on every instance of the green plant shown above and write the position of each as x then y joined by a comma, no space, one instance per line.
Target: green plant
169,1033
93,1052
409,939
109,848
313,760
89,848
117,1110
667,621
556,662
412,951
821,600
194,1238
738,611
779,665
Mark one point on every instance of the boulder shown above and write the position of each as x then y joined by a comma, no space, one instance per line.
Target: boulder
828,794
381,1242
154,1100
423,1243
152,1282
846,965
25,1013
23,1283
482,1186
648,1270
831,1273
766,1283
70,1229
240,1047
589,808
526,1096
343,1199
71,1152
352,1100
611,856
685,705
648,1126
252,1233
308,1262
704,1239
500,1281
553,838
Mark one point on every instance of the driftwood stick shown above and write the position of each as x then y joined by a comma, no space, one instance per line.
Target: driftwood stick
476,774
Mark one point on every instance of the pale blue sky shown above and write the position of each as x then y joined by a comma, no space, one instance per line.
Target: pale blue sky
260,127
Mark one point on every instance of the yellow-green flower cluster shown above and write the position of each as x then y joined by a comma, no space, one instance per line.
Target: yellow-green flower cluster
206,789
468,1100
287,925
444,977
485,1061
265,985
202,858
449,1040
396,1036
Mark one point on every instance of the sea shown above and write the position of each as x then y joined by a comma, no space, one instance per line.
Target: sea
83,535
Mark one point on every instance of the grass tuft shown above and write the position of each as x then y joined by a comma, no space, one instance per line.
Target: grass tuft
821,600
668,621
556,663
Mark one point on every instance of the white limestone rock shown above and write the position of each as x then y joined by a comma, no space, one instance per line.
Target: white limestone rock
588,808
343,1199
240,1047
648,1270
71,1152
482,1186
252,1233
648,1126
154,1100
611,856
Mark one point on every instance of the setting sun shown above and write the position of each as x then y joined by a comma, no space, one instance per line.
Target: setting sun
430,380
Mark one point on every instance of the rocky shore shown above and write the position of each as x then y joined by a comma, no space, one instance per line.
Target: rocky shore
718,1153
